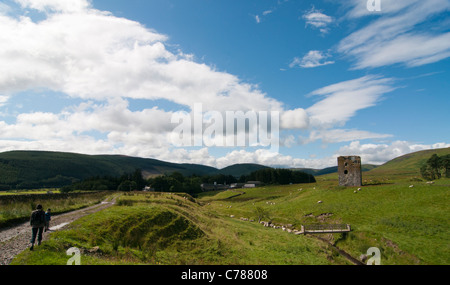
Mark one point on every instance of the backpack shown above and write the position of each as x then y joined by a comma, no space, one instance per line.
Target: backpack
37,218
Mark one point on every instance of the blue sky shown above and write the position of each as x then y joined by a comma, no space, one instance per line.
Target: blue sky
106,76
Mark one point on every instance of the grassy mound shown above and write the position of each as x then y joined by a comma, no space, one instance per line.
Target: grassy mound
131,232
163,228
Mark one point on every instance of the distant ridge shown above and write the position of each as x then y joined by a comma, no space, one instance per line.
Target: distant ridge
332,169
237,169
36,169
408,164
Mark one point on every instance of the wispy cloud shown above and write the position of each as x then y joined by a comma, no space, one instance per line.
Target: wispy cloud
3,99
342,100
341,135
259,18
313,58
318,20
402,34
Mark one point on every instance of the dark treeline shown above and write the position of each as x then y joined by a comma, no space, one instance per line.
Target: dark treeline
126,182
176,182
436,167
278,176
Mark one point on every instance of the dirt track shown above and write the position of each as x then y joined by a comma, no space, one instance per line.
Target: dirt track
16,239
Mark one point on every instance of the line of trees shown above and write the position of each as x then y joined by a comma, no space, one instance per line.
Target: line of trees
278,176
176,182
436,167
126,182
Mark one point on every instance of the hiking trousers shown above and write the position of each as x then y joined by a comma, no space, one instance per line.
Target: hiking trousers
37,232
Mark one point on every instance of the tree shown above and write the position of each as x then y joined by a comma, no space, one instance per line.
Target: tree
127,185
434,163
435,167
445,165
138,179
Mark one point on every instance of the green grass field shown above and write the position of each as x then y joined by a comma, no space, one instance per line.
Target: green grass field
17,206
395,211
408,224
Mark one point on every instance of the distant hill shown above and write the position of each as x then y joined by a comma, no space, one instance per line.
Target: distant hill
29,169
241,169
36,169
407,165
332,169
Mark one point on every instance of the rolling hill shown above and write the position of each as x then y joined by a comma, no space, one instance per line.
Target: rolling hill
36,169
406,165
332,169
241,169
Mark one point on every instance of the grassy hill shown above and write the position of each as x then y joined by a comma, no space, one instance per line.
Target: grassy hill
332,169
36,169
408,225
406,165
241,169
28,169
406,220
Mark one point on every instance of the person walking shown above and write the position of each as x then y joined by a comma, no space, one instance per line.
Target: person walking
48,218
37,222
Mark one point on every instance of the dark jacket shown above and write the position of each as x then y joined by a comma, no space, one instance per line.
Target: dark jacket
37,219
48,216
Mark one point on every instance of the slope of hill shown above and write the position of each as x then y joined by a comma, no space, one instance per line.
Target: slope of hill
29,169
407,165
36,169
332,169
241,169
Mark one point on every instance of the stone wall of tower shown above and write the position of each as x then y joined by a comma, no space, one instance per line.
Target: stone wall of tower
349,170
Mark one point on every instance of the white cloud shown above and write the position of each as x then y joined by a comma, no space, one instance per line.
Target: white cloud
344,99
95,55
341,135
104,60
410,49
381,153
357,9
3,100
55,5
318,20
4,9
370,154
401,35
294,119
314,58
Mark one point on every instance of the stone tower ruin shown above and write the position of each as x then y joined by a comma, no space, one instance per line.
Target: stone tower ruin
349,170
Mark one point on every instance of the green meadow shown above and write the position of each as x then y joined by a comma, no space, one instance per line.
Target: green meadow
395,210
408,224
16,206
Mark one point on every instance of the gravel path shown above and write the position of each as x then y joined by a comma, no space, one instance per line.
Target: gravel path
16,239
